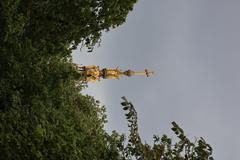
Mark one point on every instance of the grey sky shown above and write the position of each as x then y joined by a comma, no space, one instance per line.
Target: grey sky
194,48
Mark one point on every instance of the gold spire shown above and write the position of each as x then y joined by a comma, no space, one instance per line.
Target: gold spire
93,73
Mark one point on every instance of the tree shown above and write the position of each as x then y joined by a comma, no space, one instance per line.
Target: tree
163,147
59,24
43,115
40,131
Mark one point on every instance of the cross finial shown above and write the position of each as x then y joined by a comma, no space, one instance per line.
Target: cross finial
149,73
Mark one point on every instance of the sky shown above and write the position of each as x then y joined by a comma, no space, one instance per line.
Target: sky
194,48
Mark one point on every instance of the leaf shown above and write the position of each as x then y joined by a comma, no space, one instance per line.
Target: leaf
125,108
124,103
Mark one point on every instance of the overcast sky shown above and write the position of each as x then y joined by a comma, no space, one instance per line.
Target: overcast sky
194,48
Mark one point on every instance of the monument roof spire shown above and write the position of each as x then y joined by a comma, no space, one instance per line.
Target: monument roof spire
94,73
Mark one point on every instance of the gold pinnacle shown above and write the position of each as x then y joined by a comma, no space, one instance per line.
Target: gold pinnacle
94,73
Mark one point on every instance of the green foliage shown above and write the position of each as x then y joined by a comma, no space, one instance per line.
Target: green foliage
56,24
42,113
44,132
163,147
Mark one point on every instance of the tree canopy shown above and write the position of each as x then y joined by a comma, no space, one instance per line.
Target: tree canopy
58,24
163,147
43,114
